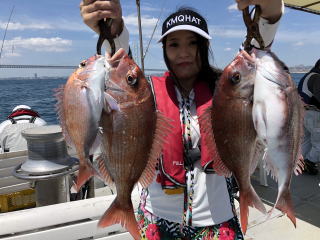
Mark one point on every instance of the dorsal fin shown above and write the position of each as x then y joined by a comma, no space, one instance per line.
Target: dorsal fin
299,165
258,154
163,127
103,170
205,121
59,92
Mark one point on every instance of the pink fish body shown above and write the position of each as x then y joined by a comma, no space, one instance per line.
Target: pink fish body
133,134
278,119
80,104
233,128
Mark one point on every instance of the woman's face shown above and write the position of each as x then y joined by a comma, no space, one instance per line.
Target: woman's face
181,50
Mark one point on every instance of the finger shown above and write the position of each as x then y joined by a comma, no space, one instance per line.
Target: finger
87,2
116,57
84,3
118,54
242,4
98,5
96,16
110,9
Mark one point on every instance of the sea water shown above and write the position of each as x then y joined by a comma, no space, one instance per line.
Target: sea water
39,95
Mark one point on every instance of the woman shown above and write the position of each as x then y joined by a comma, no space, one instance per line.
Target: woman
187,200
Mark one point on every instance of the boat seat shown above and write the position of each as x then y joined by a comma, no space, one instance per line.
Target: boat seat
64,221
9,183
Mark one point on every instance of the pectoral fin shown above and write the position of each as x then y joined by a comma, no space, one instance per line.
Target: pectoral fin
110,104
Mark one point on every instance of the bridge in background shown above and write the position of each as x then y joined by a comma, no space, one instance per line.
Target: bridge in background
60,67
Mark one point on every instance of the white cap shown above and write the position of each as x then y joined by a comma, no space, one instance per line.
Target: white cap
185,19
20,107
186,27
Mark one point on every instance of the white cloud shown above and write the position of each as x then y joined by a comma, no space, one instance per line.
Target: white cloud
228,49
297,44
40,44
11,54
227,32
26,26
148,24
296,38
233,7
150,9
146,21
305,37
33,24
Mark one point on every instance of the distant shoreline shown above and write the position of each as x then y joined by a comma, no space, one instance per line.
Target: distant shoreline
33,78
66,77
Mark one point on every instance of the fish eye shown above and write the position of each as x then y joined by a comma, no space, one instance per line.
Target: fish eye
236,78
83,64
131,80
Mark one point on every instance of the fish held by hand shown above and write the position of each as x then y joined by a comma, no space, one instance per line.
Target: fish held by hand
233,130
278,119
133,136
80,104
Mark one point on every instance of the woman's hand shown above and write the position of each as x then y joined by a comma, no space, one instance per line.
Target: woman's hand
94,10
271,9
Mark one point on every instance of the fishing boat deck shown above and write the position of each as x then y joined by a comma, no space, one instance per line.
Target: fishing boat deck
84,215
305,192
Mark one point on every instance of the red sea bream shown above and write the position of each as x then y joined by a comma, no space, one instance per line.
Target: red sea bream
133,135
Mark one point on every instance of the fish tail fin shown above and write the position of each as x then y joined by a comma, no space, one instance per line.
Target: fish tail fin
116,214
284,204
249,198
86,171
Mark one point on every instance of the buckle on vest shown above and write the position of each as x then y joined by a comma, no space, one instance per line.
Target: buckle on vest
190,157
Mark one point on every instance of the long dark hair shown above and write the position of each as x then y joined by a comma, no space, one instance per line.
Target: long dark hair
207,73
316,67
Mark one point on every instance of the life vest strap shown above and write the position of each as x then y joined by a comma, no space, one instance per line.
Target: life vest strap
21,112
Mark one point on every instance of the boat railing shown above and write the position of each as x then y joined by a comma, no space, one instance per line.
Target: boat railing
64,221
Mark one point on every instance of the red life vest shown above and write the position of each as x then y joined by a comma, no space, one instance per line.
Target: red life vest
172,162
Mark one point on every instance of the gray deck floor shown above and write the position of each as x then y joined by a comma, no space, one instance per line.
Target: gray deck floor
305,191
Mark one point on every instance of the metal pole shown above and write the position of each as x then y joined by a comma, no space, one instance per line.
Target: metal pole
5,32
140,35
52,191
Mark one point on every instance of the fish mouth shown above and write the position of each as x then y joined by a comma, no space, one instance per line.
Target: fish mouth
244,63
248,60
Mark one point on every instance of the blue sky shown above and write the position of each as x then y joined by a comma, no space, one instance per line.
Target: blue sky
52,32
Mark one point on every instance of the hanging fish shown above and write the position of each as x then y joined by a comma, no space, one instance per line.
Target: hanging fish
230,120
278,120
80,104
133,135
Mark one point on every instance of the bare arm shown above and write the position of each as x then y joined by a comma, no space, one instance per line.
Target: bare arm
271,9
